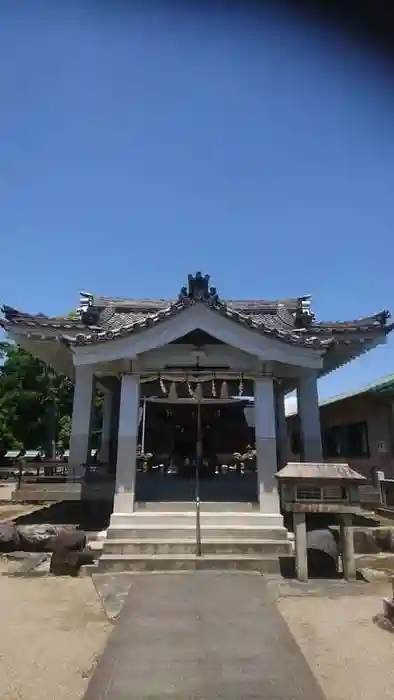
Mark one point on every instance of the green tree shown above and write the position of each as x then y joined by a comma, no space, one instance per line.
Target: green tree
35,403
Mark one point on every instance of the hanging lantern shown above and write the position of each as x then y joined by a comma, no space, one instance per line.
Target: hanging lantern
172,394
224,390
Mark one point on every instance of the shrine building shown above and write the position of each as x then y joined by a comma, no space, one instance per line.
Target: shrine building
177,377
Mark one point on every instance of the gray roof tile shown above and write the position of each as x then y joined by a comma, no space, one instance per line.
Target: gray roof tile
103,318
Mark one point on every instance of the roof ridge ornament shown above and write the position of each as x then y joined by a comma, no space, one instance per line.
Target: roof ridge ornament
198,289
304,316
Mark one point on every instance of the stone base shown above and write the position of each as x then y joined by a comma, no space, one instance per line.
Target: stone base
269,503
123,504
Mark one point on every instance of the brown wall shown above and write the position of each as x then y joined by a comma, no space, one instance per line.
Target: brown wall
377,412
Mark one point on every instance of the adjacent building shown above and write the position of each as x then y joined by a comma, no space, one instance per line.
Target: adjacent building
357,428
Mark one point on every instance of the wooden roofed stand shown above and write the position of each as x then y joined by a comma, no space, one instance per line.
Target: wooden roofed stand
188,366
321,488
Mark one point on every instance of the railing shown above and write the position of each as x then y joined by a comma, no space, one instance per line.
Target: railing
37,473
198,509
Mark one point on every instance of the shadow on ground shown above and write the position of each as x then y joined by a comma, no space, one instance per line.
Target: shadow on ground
90,517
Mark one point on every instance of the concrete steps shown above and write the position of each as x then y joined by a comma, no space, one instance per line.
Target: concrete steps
205,506
209,546
219,519
165,540
188,532
116,563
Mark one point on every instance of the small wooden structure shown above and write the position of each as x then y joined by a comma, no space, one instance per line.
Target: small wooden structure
321,488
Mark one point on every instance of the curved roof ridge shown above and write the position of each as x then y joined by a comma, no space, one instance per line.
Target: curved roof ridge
103,301
292,336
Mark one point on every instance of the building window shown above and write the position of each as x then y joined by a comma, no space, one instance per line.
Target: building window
346,441
295,442
357,436
333,441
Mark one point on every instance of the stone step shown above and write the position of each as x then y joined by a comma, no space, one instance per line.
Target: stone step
189,506
171,519
209,546
115,563
188,532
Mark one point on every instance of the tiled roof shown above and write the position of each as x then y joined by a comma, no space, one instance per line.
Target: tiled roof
116,324
291,320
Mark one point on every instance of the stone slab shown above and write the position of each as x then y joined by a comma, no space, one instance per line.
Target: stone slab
202,636
112,590
29,564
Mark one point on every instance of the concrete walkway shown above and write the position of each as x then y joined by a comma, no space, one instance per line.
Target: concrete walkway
201,636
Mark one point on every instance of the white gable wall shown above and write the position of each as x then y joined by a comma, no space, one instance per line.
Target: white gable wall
183,356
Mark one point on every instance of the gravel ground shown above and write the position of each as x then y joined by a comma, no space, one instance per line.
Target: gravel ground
52,632
351,657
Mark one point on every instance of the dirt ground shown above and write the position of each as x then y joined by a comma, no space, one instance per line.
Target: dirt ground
12,511
351,657
52,632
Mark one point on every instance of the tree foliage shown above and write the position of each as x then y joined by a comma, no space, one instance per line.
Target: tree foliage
35,403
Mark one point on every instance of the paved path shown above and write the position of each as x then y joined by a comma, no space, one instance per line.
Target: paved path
201,636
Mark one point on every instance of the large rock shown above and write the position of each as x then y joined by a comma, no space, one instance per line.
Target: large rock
323,553
373,540
372,575
37,538
69,553
70,540
384,539
9,538
364,542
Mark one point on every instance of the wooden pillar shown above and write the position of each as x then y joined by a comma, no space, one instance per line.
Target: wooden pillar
282,438
266,457
81,421
347,547
308,411
106,426
301,550
127,445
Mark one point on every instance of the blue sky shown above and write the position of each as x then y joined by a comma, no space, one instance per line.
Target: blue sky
138,145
